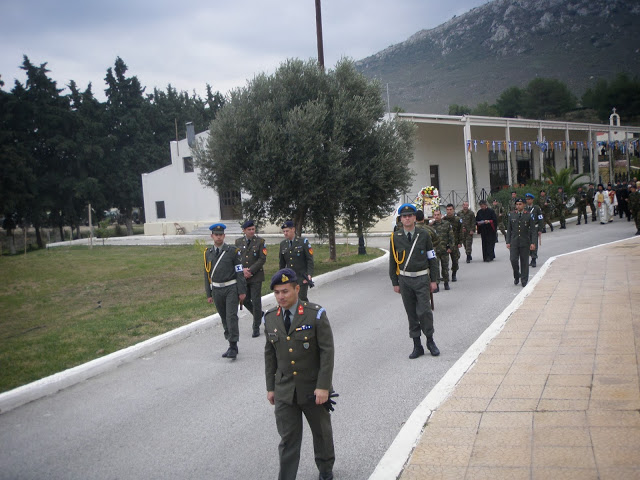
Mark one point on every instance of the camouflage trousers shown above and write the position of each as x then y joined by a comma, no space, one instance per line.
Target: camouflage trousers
582,211
502,229
547,219
455,256
467,241
443,261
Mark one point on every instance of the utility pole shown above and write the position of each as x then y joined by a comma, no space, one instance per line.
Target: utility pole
319,34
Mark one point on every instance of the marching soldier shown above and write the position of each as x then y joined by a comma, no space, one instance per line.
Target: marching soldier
411,262
468,227
296,253
224,285
591,192
634,205
298,358
545,205
521,233
581,203
538,218
445,235
499,209
456,225
560,202
253,255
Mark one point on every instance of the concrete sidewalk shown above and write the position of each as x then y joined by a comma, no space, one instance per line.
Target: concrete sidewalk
556,393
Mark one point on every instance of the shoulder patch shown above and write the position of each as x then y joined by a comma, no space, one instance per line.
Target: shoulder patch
319,313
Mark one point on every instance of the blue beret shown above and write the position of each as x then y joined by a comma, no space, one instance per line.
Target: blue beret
247,224
217,228
407,209
529,195
286,275
287,224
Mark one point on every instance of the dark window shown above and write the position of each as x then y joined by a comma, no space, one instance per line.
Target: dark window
160,210
549,161
498,172
435,176
188,164
586,164
573,159
523,161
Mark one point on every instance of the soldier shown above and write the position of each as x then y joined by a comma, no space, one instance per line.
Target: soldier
456,225
590,194
253,254
296,253
545,205
581,203
468,227
538,218
560,202
224,284
634,205
410,263
512,201
445,235
420,223
498,208
521,233
298,357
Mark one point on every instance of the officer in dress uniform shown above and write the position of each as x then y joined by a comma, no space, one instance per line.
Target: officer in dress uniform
410,263
521,233
296,253
224,284
299,370
253,255
536,213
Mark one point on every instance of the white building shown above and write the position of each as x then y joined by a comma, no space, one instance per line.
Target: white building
465,157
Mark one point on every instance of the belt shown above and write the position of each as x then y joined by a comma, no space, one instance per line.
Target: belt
414,274
223,284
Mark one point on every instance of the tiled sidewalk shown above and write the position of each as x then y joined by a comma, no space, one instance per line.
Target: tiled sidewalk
556,393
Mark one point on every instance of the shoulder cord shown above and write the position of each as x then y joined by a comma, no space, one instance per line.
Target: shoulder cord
207,266
395,255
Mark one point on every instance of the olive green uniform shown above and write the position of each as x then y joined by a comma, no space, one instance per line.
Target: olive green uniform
412,273
581,203
560,201
545,205
446,240
296,363
468,228
521,233
224,281
435,240
512,205
297,255
590,194
456,225
536,212
634,208
253,255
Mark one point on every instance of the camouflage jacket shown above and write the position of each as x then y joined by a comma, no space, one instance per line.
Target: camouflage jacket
445,235
468,221
456,225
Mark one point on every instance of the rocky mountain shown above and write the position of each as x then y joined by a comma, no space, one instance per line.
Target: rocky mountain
473,58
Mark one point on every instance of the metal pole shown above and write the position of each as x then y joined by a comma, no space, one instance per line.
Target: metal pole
319,34
90,229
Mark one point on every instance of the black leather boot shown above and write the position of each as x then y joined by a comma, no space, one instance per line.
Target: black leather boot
446,286
431,345
418,350
453,277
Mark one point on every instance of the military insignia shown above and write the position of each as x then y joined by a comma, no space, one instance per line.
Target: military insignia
285,279
310,251
304,327
278,314
264,251
306,345
300,309
238,268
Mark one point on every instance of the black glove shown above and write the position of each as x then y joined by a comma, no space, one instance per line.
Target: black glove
309,281
328,405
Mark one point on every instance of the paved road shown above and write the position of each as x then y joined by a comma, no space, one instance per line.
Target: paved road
184,412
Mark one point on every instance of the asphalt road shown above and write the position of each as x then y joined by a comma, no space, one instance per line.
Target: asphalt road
184,412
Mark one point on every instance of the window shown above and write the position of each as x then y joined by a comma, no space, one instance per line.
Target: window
573,159
498,172
160,210
523,162
586,164
549,161
188,164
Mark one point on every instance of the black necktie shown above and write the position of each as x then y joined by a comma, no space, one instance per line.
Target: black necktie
248,242
290,243
520,215
409,236
287,320
217,251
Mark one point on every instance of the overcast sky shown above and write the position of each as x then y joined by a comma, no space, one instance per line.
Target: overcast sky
220,42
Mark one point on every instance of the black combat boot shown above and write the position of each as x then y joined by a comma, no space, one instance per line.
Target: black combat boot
516,280
544,230
256,332
533,263
418,350
468,258
453,277
578,222
232,351
431,345
446,286
638,232
552,228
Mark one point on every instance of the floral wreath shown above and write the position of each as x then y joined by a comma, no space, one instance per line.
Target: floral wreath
429,192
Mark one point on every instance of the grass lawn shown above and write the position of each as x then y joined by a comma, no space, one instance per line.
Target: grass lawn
65,306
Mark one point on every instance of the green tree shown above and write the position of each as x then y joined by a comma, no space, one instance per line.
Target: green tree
455,109
564,178
546,97
623,93
509,103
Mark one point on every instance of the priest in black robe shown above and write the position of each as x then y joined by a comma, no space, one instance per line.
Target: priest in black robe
487,222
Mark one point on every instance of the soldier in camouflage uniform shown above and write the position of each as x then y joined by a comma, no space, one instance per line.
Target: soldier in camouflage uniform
512,202
581,203
538,218
468,228
445,235
634,205
456,225
591,192
560,201
545,205
500,214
